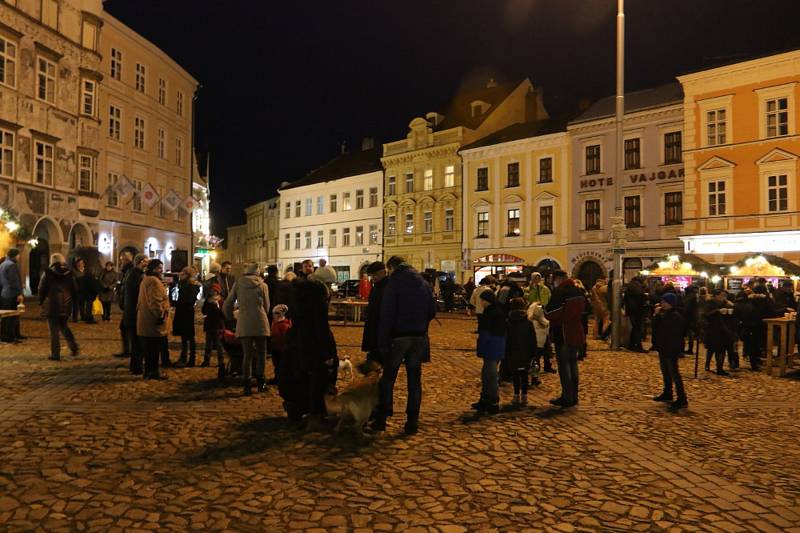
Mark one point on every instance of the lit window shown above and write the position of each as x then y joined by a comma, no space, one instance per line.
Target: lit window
513,175
44,163
409,182
116,64
162,91
546,219
373,234
449,219
513,222
6,154
373,197
633,211
593,159
332,238
716,198
777,193
345,236
409,223
391,187
391,224
112,198
333,203
427,183
114,122
483,225
8,62
320,205
715,127
449,176
46,80
360,199
777,117
483,179
138,133
672,148
592,214
141,77
346,205
86,173
359,235
427,222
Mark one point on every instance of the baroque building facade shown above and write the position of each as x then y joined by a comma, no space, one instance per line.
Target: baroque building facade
423,173
61,75
262,232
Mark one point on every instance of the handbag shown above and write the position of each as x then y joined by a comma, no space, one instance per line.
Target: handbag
97,306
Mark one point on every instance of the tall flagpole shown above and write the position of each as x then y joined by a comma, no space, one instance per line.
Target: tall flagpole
618,220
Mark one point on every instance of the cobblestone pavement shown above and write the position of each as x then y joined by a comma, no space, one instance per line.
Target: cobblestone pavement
86,446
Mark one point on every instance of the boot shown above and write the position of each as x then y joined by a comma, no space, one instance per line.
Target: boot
191,362
221,374
206,360
523,402
248,391
261,385
708,361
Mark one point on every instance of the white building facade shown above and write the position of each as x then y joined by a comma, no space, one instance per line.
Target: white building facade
334,213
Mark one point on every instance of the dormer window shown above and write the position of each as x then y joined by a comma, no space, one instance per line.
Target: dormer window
478,108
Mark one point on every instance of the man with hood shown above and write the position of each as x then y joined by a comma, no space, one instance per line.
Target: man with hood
564,313
130,291
251,295
668,328
407,308
57,291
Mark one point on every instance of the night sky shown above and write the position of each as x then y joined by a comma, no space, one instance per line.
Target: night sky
286,82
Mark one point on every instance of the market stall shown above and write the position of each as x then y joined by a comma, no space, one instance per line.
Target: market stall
682,271
772,268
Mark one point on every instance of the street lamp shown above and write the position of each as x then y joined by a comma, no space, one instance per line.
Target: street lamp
618,220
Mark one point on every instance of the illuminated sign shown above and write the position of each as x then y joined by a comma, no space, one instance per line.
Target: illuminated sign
776,241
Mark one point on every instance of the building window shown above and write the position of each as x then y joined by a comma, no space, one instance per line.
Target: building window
373,234
546,170
409,223
140,77
308,239
672,148
716,198
179,103
513,175
288,210
483,179
114,122
116,63
287,241
8,62
360,199
427,222
391,186
409,182
162,91
136,204
138,133
449,176
89,36
777,117
546,219
673,208
346,205
633,211
112,198
179,151
427,182
715,127
359,235
345,236
777,193
391,224
86,173
593,159
298,208
44,162
333,203
483,225
309,207
633,156
592,214
373,197
88,97
513,222
161,142
46,80
297,240
320,239
449,219
320,205
50,13
332,238
6,155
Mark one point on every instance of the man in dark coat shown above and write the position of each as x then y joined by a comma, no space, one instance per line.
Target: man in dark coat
272,282
635,303
10,295
57,291
717,335
407,307
564,313
369,339
668,328
126,264
131,291
226,279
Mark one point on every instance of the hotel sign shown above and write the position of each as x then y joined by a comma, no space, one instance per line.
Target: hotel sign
633,179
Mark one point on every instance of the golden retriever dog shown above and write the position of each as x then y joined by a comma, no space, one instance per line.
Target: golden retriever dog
358,399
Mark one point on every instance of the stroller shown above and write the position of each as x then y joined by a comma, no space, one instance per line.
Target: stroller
233,349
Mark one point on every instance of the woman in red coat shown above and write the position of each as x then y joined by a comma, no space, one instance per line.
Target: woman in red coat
364,287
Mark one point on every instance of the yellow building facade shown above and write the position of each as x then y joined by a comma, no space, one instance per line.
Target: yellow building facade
741,153
423,173
516,200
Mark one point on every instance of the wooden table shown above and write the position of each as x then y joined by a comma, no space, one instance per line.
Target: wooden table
346,305
780,334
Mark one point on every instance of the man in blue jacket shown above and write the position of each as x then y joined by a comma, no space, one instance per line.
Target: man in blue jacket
407,308
10,295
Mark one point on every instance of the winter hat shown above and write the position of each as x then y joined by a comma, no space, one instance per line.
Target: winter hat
57,258
670,298
280,310
138,259
215,267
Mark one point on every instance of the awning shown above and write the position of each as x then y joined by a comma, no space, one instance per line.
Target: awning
764,265
682,265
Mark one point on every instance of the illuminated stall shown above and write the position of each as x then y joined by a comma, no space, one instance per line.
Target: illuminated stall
682,271
770,267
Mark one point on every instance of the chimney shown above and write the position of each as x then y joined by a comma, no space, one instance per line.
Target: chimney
367,143
491,83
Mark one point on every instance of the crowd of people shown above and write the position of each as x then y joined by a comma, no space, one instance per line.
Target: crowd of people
520,329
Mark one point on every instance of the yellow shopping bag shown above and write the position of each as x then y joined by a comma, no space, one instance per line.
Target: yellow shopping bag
97,307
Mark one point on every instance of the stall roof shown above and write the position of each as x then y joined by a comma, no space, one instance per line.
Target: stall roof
756,269
698,265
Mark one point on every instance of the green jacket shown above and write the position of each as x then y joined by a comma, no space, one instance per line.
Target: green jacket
539,293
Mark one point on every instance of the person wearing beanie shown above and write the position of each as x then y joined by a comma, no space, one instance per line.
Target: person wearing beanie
57,291
151,319
213,325
668,327
130,291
